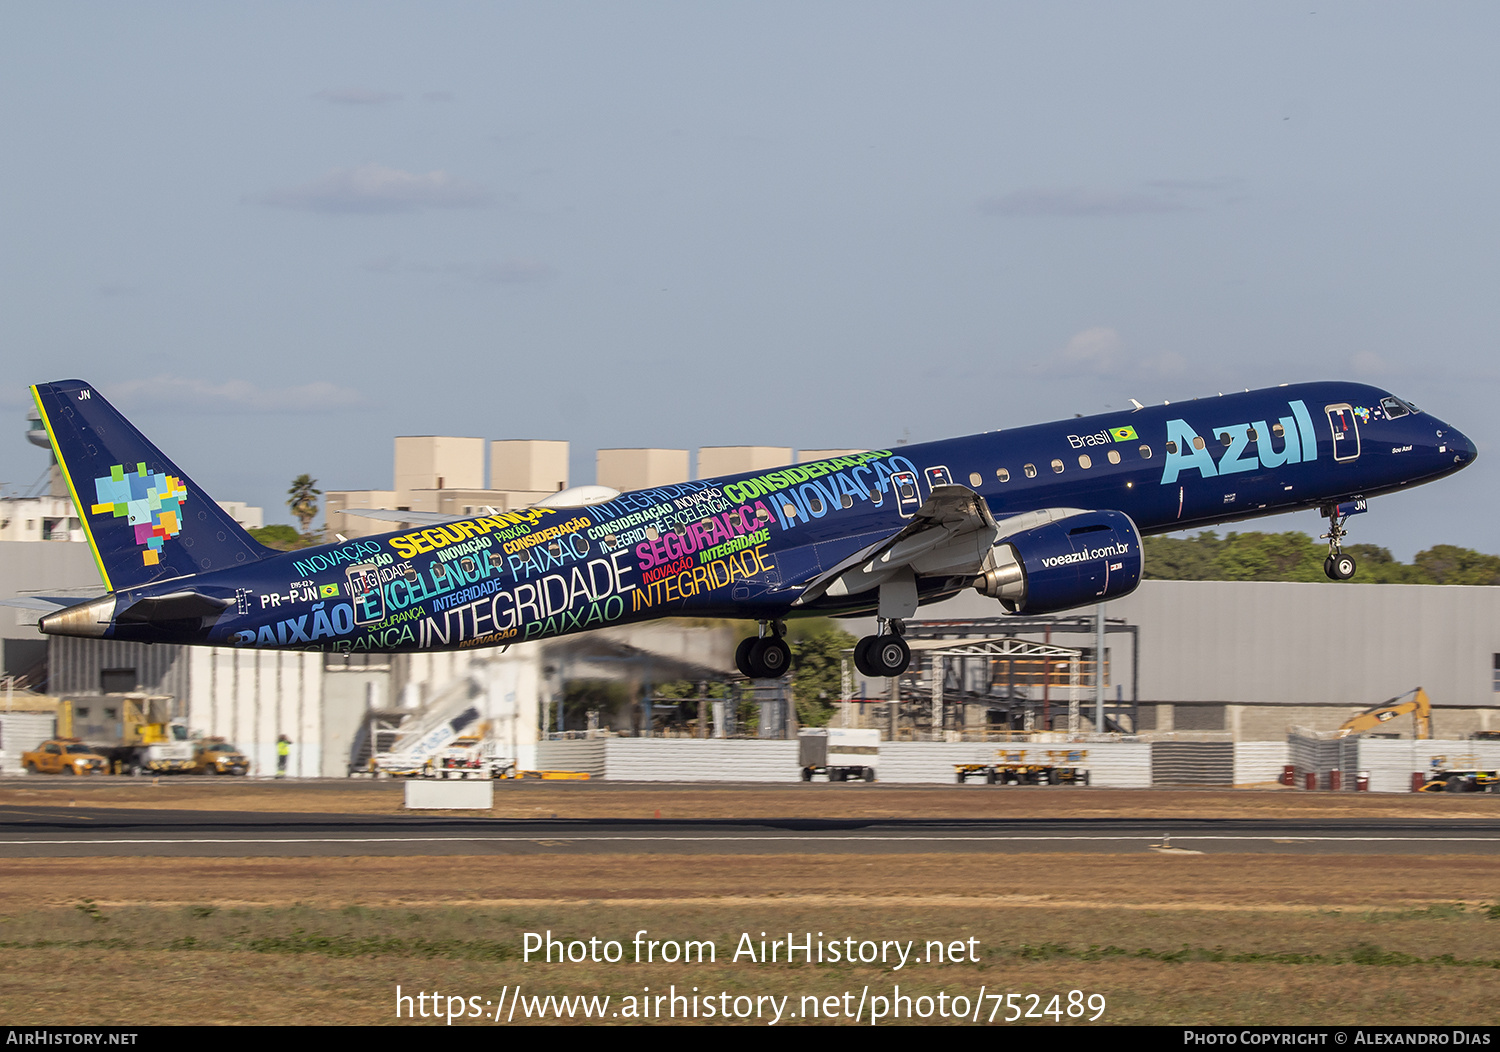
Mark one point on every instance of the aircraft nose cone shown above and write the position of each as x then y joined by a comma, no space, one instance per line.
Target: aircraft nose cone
1461,447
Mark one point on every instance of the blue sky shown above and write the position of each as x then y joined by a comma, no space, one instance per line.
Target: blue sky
280,234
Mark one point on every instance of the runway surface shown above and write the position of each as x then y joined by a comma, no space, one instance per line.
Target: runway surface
45,831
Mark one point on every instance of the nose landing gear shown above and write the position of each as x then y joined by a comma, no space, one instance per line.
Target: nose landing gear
1339,566
766,656
885,653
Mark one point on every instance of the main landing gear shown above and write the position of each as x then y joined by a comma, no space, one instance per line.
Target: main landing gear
885,653
766,657
1339,565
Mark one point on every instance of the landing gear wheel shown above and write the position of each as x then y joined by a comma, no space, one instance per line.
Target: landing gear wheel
771,657
1343,566
862,656
889,655
869,774
742,657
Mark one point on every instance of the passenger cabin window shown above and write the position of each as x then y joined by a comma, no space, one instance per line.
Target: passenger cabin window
1171,447
1030,470
1114,456
1198,442
1251,435
816,505
1278,430
1146,451
1084,461
1057,467
1224,437
846,501
907,491
976,479
790,510
1003,474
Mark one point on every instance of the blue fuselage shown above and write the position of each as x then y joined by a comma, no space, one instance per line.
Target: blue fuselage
747,546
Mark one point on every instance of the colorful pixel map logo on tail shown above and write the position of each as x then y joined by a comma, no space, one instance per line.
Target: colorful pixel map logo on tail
152,503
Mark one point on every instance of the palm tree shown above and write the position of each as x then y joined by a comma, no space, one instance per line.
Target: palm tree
303,501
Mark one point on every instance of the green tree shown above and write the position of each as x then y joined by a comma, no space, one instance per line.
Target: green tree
279,536
1269,557
1298,557
1181,558
608,696
1449,564
817,682
303,500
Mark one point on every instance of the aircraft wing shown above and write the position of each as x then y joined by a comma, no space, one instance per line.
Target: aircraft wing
574,497
411,518
949,534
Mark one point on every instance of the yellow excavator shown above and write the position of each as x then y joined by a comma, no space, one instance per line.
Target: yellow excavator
1419,707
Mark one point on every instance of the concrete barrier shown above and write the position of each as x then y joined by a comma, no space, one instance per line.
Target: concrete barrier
450,794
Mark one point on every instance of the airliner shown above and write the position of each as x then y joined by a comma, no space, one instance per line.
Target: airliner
1040,518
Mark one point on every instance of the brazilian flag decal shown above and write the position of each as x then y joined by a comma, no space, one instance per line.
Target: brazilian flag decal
1123,434
328,591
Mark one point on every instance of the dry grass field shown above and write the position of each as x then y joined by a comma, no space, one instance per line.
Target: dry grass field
535,799
1160,938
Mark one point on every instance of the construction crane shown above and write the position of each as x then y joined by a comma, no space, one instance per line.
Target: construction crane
1419,706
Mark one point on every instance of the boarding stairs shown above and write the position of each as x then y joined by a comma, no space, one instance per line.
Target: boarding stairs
425,734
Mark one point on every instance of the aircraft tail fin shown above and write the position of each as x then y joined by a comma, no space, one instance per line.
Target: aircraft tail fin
145,520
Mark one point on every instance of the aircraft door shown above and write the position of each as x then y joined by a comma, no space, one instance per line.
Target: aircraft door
938,476
365,594
908,500
1345,427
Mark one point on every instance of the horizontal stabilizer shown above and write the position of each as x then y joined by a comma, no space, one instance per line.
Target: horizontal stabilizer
44,603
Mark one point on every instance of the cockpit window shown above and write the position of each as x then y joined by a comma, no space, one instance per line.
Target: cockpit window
1393,408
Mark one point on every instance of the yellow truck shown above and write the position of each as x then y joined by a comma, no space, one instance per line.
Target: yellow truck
135,733
64,756
219,756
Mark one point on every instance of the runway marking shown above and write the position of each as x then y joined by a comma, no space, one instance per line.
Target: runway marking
854,838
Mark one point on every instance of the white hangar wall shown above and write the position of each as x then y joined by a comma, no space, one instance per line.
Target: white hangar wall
1314,644
320,702
1310,651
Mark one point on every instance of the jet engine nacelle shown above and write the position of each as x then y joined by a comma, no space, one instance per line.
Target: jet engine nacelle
1084,558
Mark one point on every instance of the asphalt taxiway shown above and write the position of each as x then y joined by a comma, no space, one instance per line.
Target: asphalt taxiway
49,831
